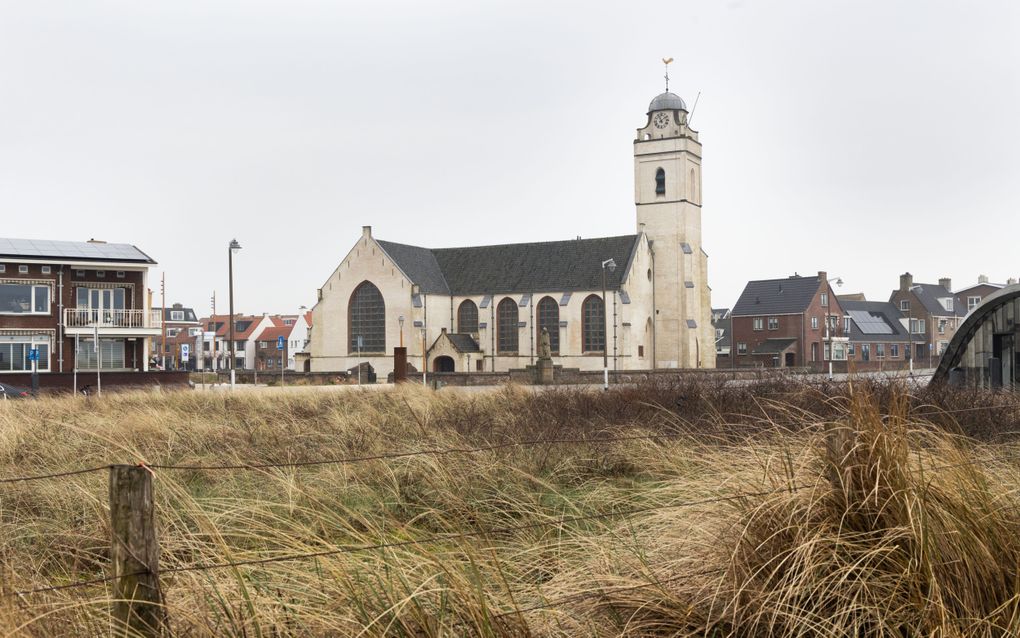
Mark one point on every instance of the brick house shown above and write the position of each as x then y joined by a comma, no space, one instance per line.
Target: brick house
181,327
267,356
246,328
970,297
932,314
56,296
791,322
878,335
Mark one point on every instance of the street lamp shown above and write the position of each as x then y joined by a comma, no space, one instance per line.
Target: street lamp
611,265
400,320
233,248
828,324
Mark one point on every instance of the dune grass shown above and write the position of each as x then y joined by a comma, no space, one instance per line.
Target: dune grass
869,511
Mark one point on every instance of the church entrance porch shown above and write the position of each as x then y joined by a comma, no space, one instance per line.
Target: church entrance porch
443,364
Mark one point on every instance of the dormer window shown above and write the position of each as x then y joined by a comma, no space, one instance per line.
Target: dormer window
660,182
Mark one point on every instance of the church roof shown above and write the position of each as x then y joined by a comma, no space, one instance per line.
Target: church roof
553,266
667,102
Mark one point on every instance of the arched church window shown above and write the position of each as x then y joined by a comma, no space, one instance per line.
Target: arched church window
660,182
367,319
506,326
593,324
467,317
549,318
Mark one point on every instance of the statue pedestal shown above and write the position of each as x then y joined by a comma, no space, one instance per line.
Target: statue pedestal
544,372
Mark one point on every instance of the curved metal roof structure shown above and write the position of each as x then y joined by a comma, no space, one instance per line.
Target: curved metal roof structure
975,321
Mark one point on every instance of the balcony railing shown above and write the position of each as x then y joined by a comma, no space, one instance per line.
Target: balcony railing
88,317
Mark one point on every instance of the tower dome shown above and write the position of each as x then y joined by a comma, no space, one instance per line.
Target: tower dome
667,102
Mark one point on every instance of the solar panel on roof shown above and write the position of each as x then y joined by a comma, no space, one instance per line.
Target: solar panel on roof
70,249
870,323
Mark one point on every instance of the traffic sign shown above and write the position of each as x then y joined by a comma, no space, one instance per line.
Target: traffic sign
185,352
33,354
280,342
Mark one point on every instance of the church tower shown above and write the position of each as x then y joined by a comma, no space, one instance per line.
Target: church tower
667,191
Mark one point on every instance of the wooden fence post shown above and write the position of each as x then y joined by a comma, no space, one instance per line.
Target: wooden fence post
138,603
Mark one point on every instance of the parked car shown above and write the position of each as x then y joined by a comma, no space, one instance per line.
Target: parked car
8,391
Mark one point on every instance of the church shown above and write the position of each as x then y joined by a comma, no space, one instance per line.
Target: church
637,302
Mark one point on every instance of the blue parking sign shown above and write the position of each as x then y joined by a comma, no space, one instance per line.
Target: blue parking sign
280,342
33,354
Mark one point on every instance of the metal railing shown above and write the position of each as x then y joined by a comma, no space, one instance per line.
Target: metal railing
88,317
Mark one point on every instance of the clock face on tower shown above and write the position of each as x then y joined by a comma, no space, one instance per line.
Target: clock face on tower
661,120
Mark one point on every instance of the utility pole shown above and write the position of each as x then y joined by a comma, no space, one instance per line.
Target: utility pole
162,318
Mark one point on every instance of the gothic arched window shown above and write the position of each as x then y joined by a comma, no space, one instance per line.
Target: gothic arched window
549,318
367,319
660,182
593,324
467,317
506,326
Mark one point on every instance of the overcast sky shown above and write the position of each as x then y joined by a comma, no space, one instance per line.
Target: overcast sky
861,138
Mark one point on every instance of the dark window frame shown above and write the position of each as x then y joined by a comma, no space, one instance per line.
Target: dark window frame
507,332
465,322
547,313
366,316
593,325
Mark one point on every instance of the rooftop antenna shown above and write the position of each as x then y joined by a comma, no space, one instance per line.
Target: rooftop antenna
666,62
690,117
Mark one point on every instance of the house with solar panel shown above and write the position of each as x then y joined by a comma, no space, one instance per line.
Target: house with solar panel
879,339
56,297
634,301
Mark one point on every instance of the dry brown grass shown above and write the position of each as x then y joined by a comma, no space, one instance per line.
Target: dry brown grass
851,530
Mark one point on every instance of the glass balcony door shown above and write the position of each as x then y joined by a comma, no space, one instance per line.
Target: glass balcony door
101,304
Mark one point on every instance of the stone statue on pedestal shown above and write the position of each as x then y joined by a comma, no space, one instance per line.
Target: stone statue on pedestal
544,345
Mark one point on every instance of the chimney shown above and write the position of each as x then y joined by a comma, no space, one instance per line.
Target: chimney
906,281
822,276
1011,281
946,283
366,231
982,279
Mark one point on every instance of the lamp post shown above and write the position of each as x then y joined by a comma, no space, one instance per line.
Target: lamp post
611,265
828,326
400,320
233,248
910,329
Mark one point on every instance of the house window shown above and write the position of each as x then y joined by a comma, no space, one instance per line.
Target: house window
880,351
14,353
172,332
23,270
367,319
850,350
194,332
846,326
176,315
3,268
741,347
549,319
814,323
593,324
833,322
109,357
288,322
773,323
904,304
894,351
826,353
814,351
917,326
865,352
100,274
507,316
825,300
758,323
46,270
120,274
467,317
942,326
640,351
660,182
838,352
972,303
24,299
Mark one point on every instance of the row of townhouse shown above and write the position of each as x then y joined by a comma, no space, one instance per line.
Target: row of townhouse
257,341
801,322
